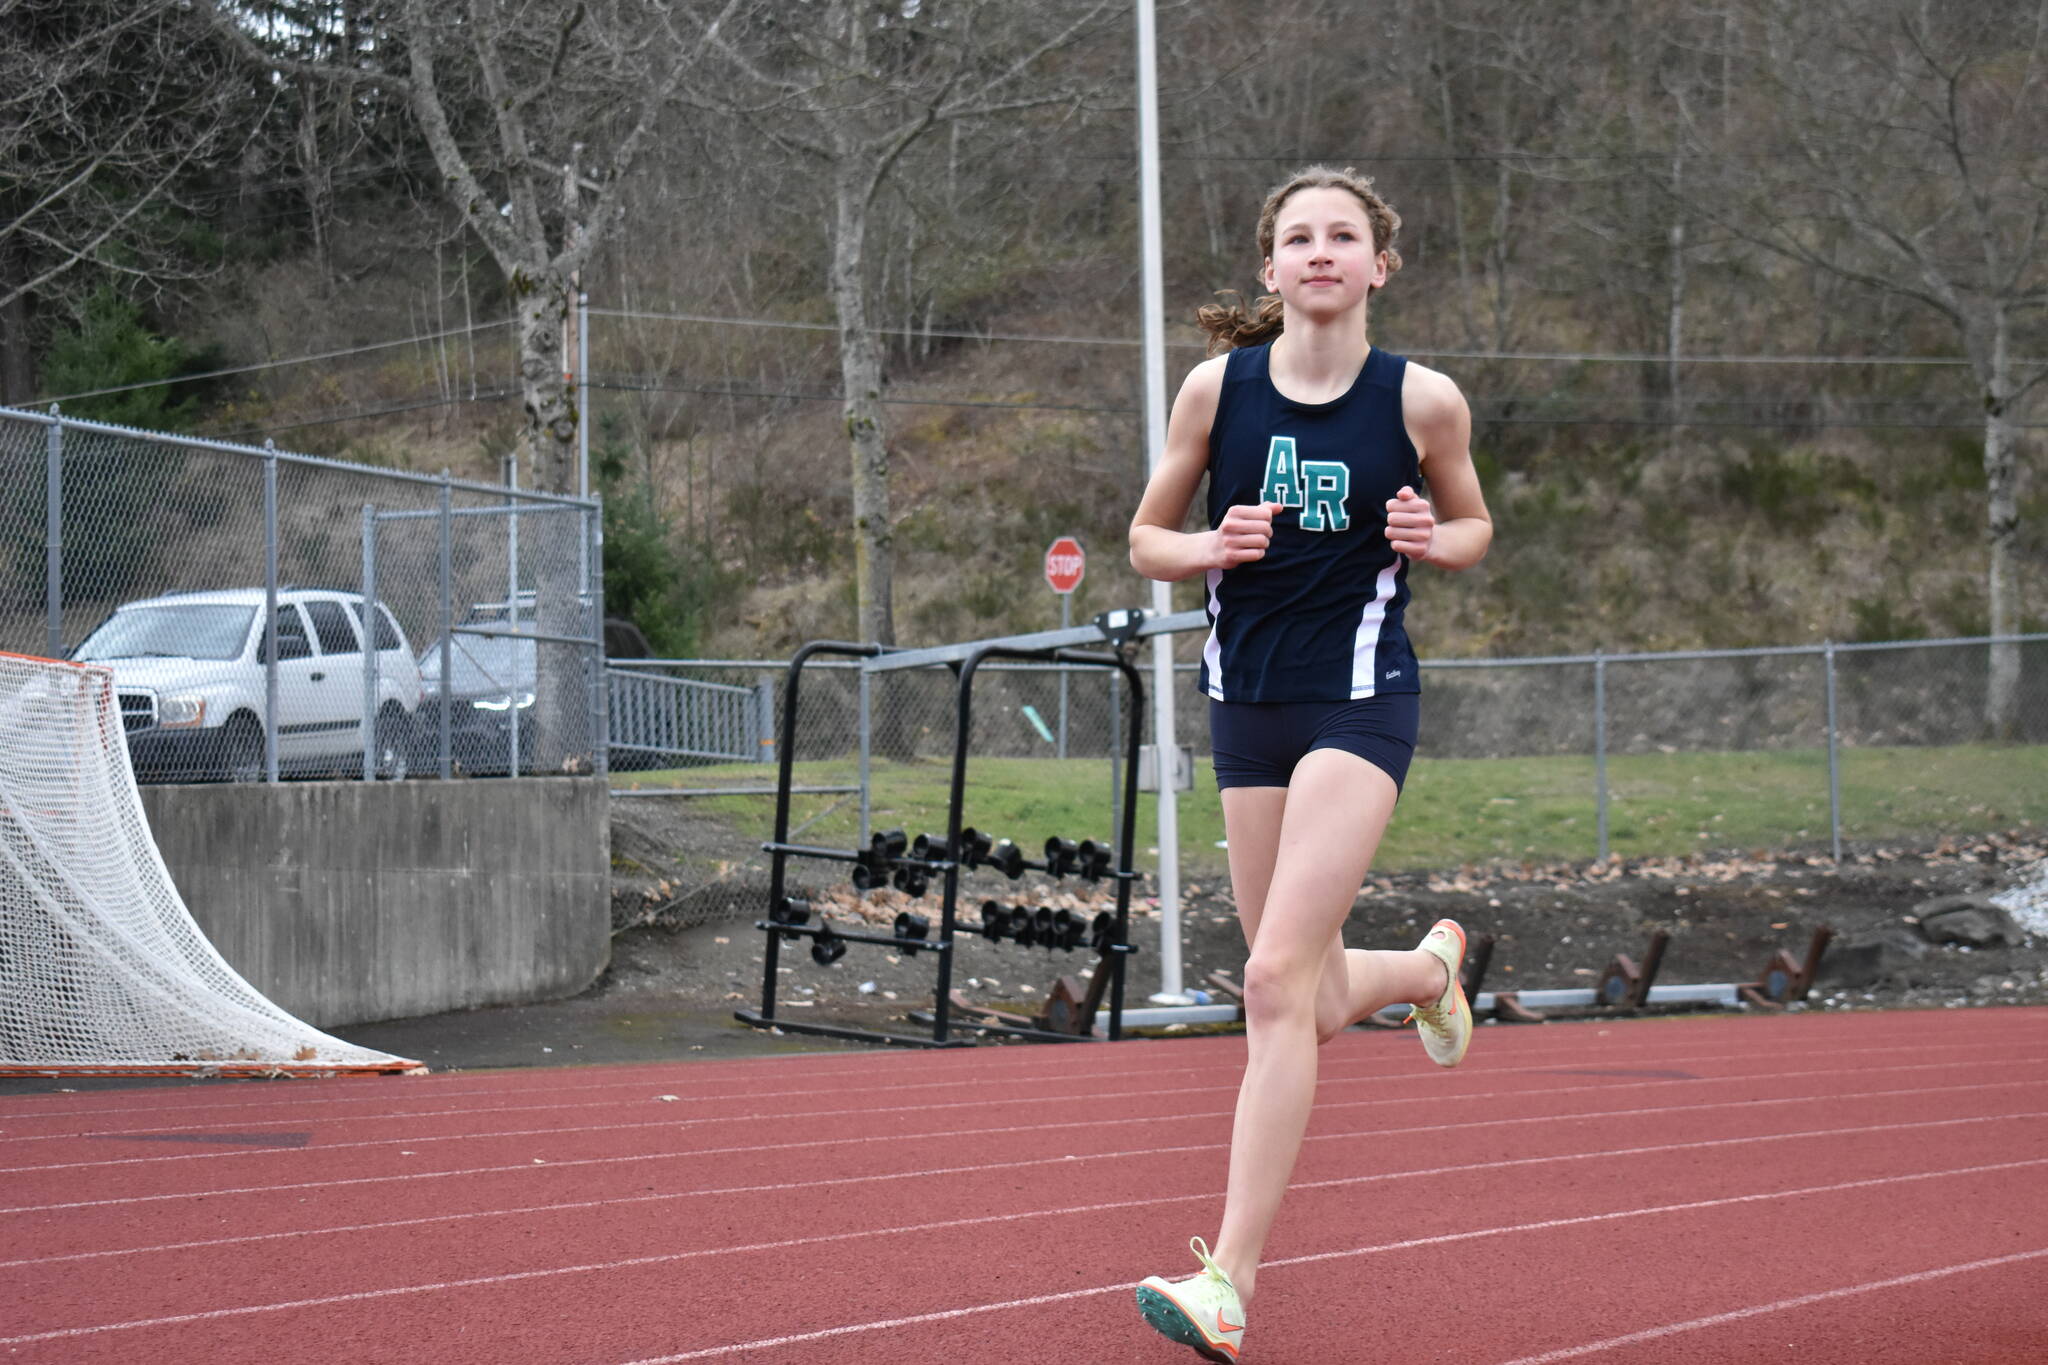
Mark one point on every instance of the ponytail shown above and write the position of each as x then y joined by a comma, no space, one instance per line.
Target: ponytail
1231,324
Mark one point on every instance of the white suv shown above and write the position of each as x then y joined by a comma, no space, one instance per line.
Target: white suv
189,669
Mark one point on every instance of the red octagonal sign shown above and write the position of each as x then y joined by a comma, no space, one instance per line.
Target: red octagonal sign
1065,563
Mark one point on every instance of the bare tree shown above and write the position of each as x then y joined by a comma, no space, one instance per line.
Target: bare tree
849,87
536,118
1904,146
108,111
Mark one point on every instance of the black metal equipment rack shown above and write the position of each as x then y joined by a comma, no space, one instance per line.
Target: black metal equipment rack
781,850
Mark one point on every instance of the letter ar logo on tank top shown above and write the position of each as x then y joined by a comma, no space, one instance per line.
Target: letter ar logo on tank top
1319,488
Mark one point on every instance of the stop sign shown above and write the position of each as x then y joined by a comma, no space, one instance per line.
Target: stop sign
1065,563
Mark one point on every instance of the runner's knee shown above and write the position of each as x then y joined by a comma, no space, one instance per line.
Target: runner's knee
1278,988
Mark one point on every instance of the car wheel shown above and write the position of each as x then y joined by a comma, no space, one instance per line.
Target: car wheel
394,745
241,750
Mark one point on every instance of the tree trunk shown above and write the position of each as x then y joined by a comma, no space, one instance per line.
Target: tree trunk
1440,46
1503,301
2002,525
17,359
315,185
891,723
1674,318
564,737
550,435
860,376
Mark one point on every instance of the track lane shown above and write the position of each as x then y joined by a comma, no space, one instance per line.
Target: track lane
142,1147
1351,1058
1413,1173
1590,1071
1904,1319
1565,1043
495,1319
84,1225
1387,1303
314,1214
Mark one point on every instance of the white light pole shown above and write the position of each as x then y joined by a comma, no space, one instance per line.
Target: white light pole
1154,303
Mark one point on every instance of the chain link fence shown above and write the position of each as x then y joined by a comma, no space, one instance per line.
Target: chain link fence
1871,741
226,586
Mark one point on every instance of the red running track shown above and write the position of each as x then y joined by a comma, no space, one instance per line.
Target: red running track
1863,1188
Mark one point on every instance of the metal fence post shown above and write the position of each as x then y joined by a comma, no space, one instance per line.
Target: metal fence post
512,618
53,537
867,739
447,549
764,724
370,623
1066,623
1600,742
270,610
600,691
1834,757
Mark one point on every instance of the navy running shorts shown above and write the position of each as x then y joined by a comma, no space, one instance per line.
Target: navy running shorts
1257,743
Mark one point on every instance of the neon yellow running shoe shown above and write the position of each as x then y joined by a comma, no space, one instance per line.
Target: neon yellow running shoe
1201,1311
1446,1026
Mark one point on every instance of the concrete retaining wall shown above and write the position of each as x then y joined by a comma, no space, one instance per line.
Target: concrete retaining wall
347,902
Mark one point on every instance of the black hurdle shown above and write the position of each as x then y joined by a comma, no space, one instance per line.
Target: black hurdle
780,850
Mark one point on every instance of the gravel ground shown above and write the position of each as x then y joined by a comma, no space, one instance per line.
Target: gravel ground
1554,926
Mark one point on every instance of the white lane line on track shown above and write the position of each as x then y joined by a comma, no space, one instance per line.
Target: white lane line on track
1800,1301
866,1111
1375,1133
1914,1042
1543,1226
692,1153
1333,1182
1395,1070
516,1276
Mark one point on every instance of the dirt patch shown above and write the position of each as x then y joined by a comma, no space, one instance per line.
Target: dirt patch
1554,926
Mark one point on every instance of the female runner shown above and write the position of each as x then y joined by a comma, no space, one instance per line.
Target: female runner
1315,444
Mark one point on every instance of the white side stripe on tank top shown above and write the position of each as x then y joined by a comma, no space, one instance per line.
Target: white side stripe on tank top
1212,652
1365,646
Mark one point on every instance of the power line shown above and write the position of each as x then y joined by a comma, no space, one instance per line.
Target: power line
1569,357
274,364
1544,357
634,384
1482,416
390,409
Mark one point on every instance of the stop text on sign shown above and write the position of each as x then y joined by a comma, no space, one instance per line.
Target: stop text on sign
1065,564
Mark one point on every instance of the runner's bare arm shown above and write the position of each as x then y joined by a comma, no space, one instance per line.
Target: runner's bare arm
1159,548
1451,529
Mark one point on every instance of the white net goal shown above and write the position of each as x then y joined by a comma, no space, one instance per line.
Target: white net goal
102,969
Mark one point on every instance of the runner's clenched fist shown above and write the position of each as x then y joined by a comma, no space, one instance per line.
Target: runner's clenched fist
1411,524
1245,533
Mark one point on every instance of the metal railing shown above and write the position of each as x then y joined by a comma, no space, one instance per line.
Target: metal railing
657,720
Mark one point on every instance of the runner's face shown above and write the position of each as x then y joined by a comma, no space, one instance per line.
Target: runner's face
1324,261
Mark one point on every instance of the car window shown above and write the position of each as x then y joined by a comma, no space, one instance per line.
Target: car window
190,631
337,633
387,629
291,636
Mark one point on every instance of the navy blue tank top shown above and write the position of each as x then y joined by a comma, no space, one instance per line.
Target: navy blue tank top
1319,617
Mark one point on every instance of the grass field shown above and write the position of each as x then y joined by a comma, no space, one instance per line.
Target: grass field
1457,811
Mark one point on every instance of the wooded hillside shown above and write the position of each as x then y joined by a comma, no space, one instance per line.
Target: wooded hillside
1750,297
